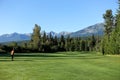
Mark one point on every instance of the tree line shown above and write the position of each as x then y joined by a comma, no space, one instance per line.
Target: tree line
49,43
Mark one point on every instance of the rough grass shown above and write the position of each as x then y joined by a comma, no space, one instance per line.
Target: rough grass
60,66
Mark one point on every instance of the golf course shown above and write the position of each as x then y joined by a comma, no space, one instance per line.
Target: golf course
60,66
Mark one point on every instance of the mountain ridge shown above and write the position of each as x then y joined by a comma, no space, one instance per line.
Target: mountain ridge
96,29
14,37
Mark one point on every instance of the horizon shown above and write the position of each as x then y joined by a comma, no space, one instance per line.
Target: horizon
47,32
20,16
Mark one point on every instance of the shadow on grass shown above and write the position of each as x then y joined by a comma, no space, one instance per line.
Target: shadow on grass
41,55
51,56
5,60
9,60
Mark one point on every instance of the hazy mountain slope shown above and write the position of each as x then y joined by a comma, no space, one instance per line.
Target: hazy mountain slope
14,37
97,29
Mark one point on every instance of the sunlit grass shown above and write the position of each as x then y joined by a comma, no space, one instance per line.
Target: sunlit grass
60,66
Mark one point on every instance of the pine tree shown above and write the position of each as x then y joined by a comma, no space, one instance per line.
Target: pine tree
92,42
68,43
82,45
106,46
62,43
77,44
115,38
108,17
44,38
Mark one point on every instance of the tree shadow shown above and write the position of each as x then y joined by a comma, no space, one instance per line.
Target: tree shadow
50,56
36,55
5,60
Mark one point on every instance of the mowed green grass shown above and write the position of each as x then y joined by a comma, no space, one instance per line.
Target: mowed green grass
60,66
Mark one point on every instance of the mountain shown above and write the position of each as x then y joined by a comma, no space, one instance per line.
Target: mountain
52,33
14,37
64,33
22,37
97,29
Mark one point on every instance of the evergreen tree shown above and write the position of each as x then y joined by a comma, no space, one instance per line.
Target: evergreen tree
110,42
92,43
115,37
77,44
44,38
55,44
83,45
98,44
62,43
86,45
73,45
108,17
68,44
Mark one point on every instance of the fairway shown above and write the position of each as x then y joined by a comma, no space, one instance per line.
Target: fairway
60,66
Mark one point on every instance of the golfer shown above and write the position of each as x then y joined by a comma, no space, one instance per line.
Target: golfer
12,54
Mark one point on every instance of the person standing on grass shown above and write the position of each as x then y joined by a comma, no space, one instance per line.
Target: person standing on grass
12,54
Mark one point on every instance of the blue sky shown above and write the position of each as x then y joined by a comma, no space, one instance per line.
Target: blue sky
52,15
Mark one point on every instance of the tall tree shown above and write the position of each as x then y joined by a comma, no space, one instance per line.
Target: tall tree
83,45
62,43
68,43
108,17
92,42
36,37
44,38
